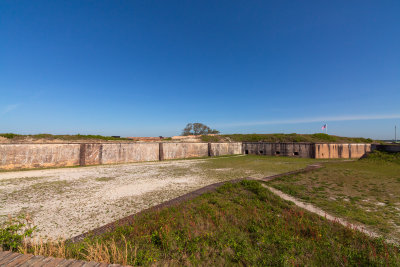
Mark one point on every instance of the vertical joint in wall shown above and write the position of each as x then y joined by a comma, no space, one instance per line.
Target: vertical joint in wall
82,155
313,150
101,154
349,151
160,151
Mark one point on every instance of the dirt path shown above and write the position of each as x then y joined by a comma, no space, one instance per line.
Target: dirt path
320,212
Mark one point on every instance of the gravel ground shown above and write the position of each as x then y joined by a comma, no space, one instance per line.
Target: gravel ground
69,201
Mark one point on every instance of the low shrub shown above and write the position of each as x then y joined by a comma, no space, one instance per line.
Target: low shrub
14,231
383,157
9,135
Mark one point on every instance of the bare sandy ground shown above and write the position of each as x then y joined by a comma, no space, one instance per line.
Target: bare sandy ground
70,201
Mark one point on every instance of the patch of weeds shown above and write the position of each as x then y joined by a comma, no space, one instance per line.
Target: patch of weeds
56,187
104,179
14,231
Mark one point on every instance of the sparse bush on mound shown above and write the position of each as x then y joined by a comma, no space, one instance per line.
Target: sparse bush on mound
9,135
324,137
383,157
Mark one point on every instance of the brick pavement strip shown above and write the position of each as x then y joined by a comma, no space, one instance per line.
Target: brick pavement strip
10,259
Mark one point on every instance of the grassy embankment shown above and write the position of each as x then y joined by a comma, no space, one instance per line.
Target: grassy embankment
312,138
77,137
366,191
241,223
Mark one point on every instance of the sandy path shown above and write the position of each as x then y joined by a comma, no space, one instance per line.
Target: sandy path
70,201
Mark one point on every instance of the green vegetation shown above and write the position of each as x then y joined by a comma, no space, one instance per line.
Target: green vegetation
61,137
313,138
239,224
227,168
197,128
14,231
366,191
9,135
224,168
382,157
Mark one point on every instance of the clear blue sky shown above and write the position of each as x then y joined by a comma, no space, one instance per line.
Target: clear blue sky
146,68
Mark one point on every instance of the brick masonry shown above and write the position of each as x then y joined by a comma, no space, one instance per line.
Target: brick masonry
9,259
308,150
23,156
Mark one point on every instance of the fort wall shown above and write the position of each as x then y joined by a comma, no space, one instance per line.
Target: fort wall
307,150
185,150
22,156
302,150
338,151
391,148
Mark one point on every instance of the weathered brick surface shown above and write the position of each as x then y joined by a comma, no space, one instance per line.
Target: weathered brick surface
16,156
220,149
185,150
124,153
347,151
20,156
9,259
308,150
20,260
303,150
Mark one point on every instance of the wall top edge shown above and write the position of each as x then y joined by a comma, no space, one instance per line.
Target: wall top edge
307,143
119,143
343,143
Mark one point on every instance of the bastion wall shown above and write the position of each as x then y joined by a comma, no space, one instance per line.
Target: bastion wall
26,156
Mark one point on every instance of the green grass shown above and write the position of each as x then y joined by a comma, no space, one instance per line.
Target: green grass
225,168
366,191
313,138
239,224
251,166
